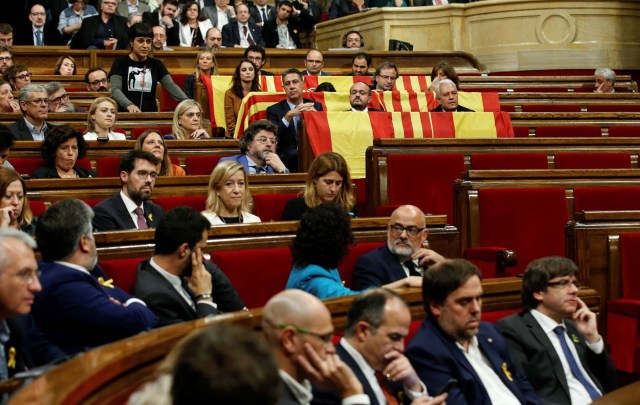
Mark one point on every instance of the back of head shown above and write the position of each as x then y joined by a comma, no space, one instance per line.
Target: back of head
140,30
11,233
179,225
539,272
445,277
6,138
290,307
369,307
60,228
225,364
52,87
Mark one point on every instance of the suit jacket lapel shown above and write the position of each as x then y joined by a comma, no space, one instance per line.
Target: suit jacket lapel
122,213
171,289
497,362
394,265
349,361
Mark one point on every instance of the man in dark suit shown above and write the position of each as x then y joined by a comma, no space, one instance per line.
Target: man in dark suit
79,307
241,33
261,12
550,301
373,345
34,104
286,114
404,254
294,25
176,283
452,343
103,31
222,6
166,17
314,61
130,208
37,33
359,97
447,95
258,149
258,56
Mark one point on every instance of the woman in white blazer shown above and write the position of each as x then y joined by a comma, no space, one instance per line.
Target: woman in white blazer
193,25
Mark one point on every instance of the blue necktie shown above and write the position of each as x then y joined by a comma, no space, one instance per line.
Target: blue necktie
593,392
38,38
264,15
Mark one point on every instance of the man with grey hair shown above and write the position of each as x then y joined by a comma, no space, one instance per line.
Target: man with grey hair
447,95
298,327
133,18
605,80
80,307
34,101
213,39
58,98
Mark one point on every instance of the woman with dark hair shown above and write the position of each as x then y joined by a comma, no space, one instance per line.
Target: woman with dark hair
65,66
322,241
443,70
193,25
244,81
61,149
151,141
14,205
7,102
328,181
206,64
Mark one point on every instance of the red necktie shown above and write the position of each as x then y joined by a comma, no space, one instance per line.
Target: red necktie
245,31
386,389
142,224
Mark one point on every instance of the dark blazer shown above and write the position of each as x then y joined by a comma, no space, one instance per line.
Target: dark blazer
287,136
377,268
534,353
211,13
163,299
75,311
436,358
242,159
173,33
50,35
231,34
111,215
286,395
270,32
123,8
322,73
256,16
50,172
461,108
21,132
84,37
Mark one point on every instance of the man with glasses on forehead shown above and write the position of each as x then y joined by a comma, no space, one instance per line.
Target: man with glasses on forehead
298,327
131,208
403,256
258,149
34,104
58,98
555,340
97,80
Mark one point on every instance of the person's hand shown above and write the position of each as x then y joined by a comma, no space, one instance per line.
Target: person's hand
110,43
14,106
115,301
330,373
434,82
167,21
411,281
586,322
400,369
133,108
199,134
200,279
426,256
62,108
6,216
426,400
359,4
272,159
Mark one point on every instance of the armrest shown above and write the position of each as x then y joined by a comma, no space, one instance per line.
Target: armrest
624,306
501,256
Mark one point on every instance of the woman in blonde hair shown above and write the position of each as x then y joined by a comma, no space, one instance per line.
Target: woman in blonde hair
14,205
101,119
328,181
187,121
229,199
205,65
151,141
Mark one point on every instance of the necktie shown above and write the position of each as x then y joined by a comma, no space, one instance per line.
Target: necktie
142,224
412,268
264,14
386,389
245,31
38,38
593,393
261,169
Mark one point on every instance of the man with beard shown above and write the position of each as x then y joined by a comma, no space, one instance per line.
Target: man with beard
359,97
213,39
258,149
165,17
452,342
79,307
97,80
176,283
130,208
6,60
404,254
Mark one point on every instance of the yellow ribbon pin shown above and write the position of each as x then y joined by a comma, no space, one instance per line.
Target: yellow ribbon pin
106,283
151,216
506,371
11,363
575,339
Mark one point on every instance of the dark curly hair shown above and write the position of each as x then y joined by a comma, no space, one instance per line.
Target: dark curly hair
323,237
56,137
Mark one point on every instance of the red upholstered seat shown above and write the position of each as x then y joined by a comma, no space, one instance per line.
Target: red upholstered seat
628,131
604,160
167,103
162,130
606,199
520,132
613,108
108,166
495,316
84,163
270,207
37,207
361,196
568,131
26,165
122,271
196,202
202,165
509,161
424,180
550,108
92,202
507,108
530,221
257,274
349,262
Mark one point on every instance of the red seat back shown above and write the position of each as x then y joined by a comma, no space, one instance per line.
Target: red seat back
201,165
37,207
270,207
629,265
568,131
530,221
26,165
84,163
615,160
550,108
122,271
108,166
520,132
614,108
509,161
162,130
349,262
167,103
628,131
606,199
361,195
197,202
424,180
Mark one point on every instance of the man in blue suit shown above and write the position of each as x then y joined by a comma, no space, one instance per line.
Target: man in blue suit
79,307
404,254
241,33
452,343
258,149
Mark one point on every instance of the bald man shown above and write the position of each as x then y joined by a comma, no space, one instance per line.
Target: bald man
359,97
404,254
298,327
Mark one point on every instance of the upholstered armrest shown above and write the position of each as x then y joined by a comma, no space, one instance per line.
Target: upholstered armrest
624,306
501,256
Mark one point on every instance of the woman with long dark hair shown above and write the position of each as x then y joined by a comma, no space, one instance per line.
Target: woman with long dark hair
245,80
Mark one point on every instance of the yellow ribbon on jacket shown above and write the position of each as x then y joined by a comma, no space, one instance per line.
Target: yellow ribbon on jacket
506,371
106,283
11,362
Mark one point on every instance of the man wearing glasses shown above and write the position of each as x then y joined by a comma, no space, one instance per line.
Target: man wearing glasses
257,55
39,34
6,61
6,34
34,104
555,340
58,98
97,80
385,77
404,254
258,149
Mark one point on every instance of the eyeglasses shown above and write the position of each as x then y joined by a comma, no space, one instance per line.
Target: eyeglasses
27,277
24,76
263,140
38,14
254,58
99,81
326,338
564,284
387,77
5,58
143,174
64,97
412,231
39,101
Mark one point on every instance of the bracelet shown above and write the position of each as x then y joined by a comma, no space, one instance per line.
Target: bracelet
204,296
